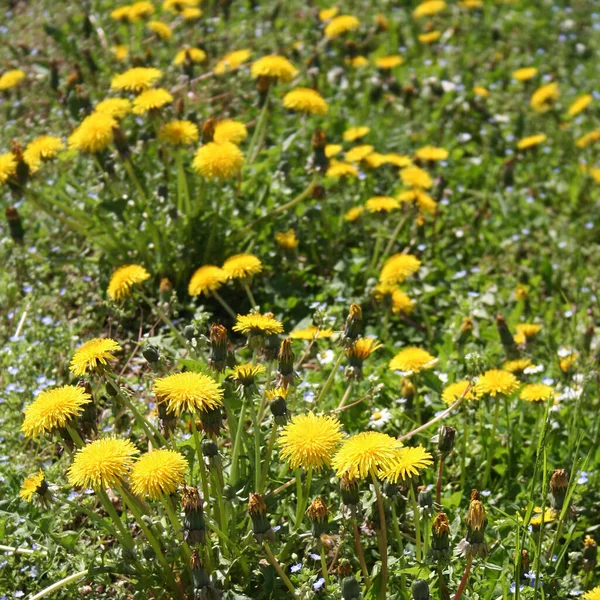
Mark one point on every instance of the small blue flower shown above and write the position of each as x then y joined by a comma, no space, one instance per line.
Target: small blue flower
296,568
318,584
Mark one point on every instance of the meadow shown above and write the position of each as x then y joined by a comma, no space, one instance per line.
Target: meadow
299,299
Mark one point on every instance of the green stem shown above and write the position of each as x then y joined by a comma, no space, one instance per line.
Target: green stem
345,396
265,471
59,584
201,469
249,294
263,399
324,569
376,250
417,520
177,529
278,568
491,443
257,465
125,537
360,554
257,134
184,205
224,304
382,537
330,379
237,446
302,496
392,241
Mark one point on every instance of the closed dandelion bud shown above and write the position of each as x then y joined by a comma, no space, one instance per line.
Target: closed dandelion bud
190,332
54,75
111,389
89,416
350,589
466,327
166,420
390,489
208,130
440,538
473,544
525,561
425,501
263,84
285,369
590,554
381,22
559,482
506,337
89,61
217,359
343,568
420,590
278,405
165,288
15,226
121,142
87,26
21,175
354,325
407,389
209,448
270,350
199,574
194,527
151,354
446,435
212,421
257,509
319,141
318,513
349,491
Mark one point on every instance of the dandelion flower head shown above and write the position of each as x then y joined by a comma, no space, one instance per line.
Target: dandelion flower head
189,392
93,354
158,473
123,279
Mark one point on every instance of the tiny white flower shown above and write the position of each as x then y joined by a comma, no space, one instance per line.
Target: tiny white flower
379,418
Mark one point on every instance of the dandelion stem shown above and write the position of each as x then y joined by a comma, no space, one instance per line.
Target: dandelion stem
75,436
491,444
382,537
278,568
166,502
265,472
224,304
441,416
125,537
345,396
257,136
329,381
360,554
392,241
59,584
465,578
184,205
201,469
257,466
237,444
324,569
438,487
302,496
250,295
417,520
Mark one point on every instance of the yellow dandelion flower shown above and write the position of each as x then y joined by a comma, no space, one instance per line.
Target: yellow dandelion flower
206,279
354,213
8,166
191,392
398,160
11,79
358,153
162,30
341,169
232,61
94,134
518,365
218,161
120,52
425,202
374,160
327,14
429,8
566,362
92,355
311,333
471,3
460,389
386,63
382,204
479,90
332,150
431,153
588,139
193,55
274,66
42,148
117,108
430,37
536,392
398,267
228,130
136,80
362,348
287,240
256,324
549,515
240,266
525,73
544,97
158,473
412,360
531,141
103,463
359,61
496,382
191,13
151,100
123,279
365,454
121,14
179,133
401,303
580,104
32,485
305,100
246,374
355,133
340,25
54,409
529,329
416,177
309,441
139,10
177,6
407,463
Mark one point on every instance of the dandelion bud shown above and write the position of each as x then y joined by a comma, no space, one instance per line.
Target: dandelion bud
217,359
343,568
349,491
350,588
446,435
506,337
165,288
466,327
285,370
166,420
194,527
525,561
319,141
473,544
199,575
212,421
89,61
354,325
278,405
440,538
381,22
257,509
208,130
590,554
318,513
389,489
263,85
407,389
54,75
559,482
420,590
151,354
190,332
425,501
22,171
15,226
209,448
270,350
89,417
121,143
